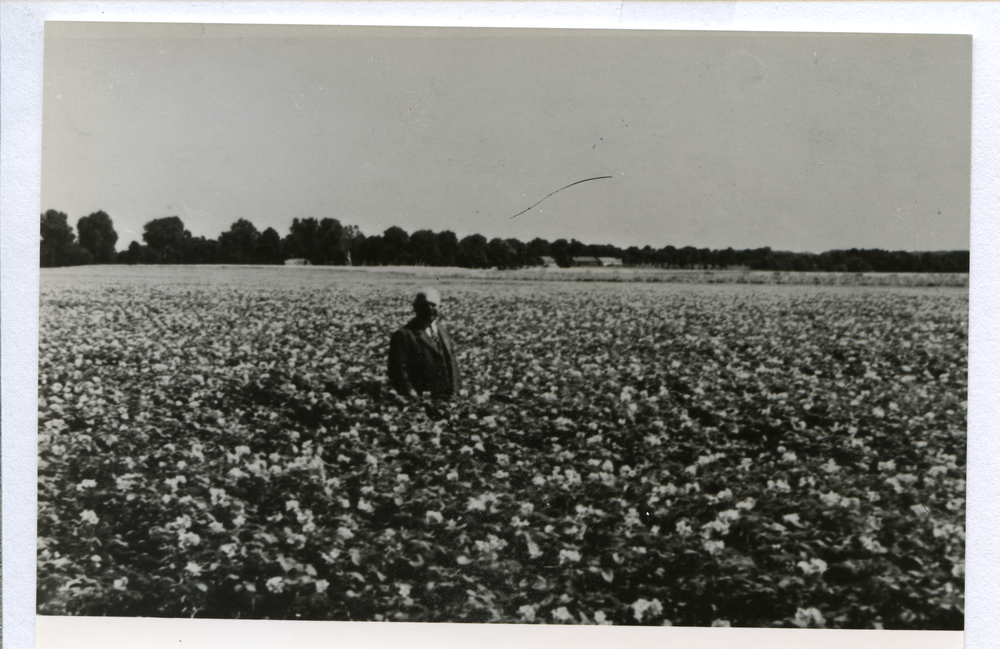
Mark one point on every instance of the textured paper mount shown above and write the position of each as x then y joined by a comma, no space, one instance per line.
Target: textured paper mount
58,632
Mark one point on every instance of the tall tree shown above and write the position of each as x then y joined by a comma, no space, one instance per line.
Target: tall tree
396,243
370,251
501,254
535,250
350,240
98,237
424,248
269,247
168,239
134,253
239,244
58,245
560,252
203,251
56,234
448,249
520,249
300,243
329,250
472,252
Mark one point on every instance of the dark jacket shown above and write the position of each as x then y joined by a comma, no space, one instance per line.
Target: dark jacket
423,365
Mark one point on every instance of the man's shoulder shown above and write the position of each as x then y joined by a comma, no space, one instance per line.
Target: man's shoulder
411,328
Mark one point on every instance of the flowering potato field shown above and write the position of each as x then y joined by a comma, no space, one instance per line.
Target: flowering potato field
221,443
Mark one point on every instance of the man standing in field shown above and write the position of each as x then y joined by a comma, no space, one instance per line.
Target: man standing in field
421,354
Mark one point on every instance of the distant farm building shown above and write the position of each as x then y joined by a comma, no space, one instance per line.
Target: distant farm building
586,261
610,261
297,262
548,262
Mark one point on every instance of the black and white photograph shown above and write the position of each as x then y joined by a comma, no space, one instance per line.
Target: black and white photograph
534,326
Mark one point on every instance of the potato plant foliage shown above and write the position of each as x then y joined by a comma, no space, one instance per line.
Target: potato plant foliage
625,453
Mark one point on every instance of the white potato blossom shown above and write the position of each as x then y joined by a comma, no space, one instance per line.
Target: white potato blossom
185,538
492,544
646,609
901,482
830,499
728,515
714,547
568,556
944,530
870,544
562,614
719,527
779,485
481,502
830,466
88,516
812,567
809,617
632,518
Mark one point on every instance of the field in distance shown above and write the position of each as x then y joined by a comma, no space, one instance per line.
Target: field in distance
305,275
220,442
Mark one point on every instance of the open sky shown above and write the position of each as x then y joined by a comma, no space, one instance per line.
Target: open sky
804,142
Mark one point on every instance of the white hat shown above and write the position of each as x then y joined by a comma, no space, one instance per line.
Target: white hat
428,295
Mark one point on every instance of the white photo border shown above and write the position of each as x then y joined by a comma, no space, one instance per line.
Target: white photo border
21,32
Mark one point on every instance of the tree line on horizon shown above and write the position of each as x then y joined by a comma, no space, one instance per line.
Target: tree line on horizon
327,242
